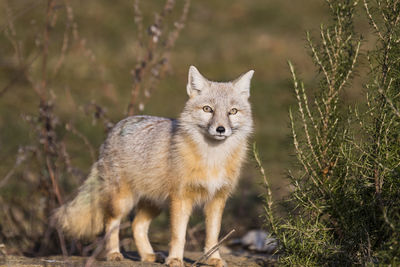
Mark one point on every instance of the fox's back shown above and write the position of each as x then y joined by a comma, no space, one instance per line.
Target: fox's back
139,134
138,147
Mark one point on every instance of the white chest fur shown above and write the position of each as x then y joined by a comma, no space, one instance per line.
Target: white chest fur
214,160
214,181
208,167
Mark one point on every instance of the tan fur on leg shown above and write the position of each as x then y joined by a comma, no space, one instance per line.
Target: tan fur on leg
146,211
112,242
180,211
213,211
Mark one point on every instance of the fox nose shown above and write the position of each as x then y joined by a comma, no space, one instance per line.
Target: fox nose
220,129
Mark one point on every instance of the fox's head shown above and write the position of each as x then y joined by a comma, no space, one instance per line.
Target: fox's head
218,110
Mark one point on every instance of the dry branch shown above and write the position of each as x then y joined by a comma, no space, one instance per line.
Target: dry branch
211,251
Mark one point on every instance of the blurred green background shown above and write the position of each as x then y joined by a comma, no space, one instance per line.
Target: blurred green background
221,38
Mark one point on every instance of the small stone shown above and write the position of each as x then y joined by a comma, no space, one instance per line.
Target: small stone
259,240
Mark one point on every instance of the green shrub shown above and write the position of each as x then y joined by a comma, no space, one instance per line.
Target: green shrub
344,207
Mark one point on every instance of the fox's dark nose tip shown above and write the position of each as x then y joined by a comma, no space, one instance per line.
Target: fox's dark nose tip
220,129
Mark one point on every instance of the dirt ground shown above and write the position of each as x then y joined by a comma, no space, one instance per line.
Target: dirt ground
131,259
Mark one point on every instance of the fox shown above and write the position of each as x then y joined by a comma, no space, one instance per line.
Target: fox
148,162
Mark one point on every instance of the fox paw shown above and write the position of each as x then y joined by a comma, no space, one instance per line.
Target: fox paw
216,262
115,256
154,257
174,262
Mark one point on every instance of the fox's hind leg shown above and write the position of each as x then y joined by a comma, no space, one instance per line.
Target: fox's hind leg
112,236
146,211
121,202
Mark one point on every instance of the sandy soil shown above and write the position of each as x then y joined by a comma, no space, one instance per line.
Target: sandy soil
131,259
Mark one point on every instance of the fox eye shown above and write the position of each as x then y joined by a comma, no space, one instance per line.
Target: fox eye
207,109
233,111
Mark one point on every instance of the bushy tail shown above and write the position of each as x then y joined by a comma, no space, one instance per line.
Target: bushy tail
83,217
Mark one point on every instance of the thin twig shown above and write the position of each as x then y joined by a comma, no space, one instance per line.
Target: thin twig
371,19
46,36
269,200
303,118
62,243
206,255
65,42
308,168
19,75
27,7
70,127
348,73
54,183
102,243
318,60
151,67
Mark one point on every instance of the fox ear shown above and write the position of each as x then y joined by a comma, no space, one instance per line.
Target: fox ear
242,84
196,82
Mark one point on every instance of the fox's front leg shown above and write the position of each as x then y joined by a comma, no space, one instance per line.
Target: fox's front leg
180,212
213,211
